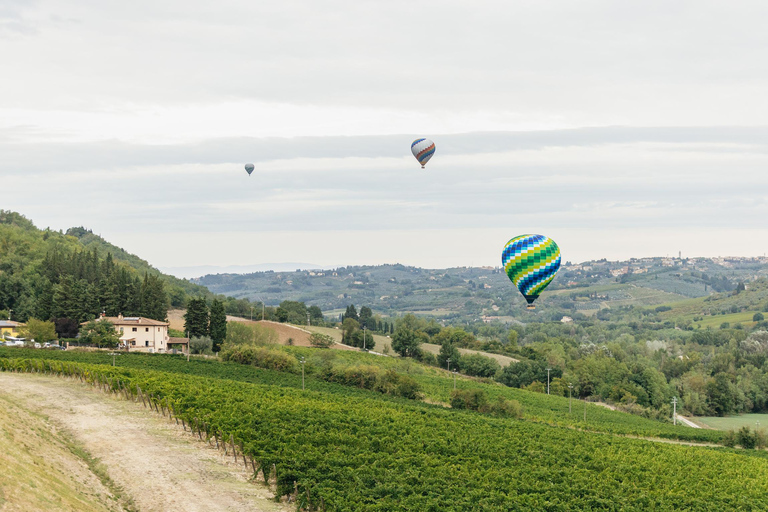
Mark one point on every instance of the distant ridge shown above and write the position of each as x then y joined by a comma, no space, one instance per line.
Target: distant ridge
203,270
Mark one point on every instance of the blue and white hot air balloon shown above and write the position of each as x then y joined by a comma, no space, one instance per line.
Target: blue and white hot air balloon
423,149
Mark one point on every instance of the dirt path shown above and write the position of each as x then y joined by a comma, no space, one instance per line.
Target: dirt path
159,467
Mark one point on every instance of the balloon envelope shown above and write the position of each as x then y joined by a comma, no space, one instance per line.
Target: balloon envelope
249,168
531,262
423,149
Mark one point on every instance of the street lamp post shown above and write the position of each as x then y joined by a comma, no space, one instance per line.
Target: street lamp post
570,388
302,361
674,410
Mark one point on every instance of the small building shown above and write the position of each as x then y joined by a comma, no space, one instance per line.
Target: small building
10,328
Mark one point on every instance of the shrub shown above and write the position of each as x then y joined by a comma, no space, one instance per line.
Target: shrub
321,340
504,408
200,344
261,357
472,399
746,438
373,378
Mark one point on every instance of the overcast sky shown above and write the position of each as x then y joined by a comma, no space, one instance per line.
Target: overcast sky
618,129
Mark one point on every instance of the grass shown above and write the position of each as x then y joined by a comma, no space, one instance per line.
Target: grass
714,321
733,422
43,467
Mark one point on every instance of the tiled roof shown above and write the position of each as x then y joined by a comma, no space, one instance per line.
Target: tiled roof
131,320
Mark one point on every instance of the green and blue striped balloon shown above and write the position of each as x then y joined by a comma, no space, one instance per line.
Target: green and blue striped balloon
531,262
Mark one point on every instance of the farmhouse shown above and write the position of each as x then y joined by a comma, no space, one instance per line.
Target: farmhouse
9,328
141,334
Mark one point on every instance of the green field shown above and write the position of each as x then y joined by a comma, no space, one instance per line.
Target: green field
384,345
733,422
744,318
349,451
436,385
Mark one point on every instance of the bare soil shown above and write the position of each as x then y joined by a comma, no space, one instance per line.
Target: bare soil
156,464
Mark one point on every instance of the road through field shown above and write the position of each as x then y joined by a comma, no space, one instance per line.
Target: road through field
158,466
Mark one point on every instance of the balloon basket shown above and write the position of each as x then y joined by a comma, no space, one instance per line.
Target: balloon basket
531,306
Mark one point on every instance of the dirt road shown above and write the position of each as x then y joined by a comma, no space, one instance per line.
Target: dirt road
158,466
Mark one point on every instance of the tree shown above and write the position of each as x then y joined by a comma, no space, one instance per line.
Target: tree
315,315
320,340
758,317
348,328
366,318
39,330
66,327
723,395
100,333
478,365
200,344
351,312
449,351
154,299
218,324
292,312
196,317
406,341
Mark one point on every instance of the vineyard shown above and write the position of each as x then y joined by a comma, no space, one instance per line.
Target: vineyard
436,385
345,451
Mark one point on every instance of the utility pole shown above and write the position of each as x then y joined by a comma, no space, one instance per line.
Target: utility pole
585,409
262,310
251,313
448,361
674,411
308,322
302,372
188,347
548,370
454,381
9,314
570,388
363,338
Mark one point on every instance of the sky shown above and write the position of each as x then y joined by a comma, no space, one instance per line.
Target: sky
619,129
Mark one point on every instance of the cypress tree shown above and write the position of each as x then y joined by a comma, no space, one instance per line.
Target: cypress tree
218,324
196,317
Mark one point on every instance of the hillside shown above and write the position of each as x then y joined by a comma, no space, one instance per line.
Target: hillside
464,294
51,274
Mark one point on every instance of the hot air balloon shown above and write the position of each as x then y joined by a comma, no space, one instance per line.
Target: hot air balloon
249,168
423,149
531,262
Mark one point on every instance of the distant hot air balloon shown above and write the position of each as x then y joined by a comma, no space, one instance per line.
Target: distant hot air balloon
249,168
423,149
531,262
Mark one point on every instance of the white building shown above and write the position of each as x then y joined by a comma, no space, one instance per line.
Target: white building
141,334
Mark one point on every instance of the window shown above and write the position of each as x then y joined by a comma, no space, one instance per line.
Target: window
121,329
134,329
146,329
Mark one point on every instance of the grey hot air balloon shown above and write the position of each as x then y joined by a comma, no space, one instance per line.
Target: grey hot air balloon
249,168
